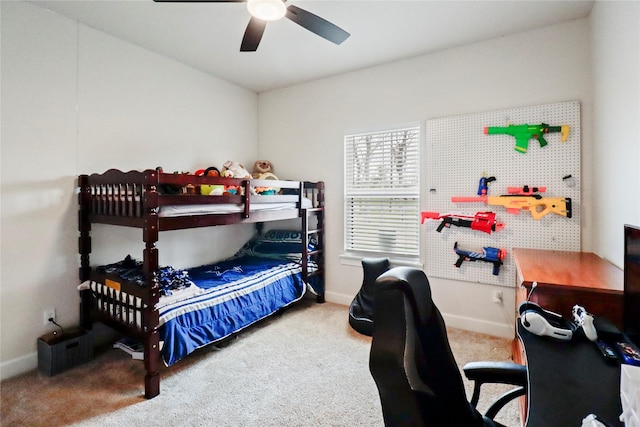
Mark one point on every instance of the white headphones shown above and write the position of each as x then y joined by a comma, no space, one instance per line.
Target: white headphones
542,322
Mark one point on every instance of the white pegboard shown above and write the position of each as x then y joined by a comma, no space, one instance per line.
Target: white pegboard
459,154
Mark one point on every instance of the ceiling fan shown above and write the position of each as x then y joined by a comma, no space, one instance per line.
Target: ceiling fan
263,11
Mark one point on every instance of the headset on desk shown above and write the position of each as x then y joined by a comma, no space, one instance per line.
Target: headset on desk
542,322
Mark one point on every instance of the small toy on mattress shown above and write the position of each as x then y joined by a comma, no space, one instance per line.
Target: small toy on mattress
129,269
263,169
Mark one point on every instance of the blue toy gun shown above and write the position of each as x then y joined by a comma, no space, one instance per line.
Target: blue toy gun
486,254
483,185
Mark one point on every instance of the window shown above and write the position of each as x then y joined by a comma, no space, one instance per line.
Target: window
382,192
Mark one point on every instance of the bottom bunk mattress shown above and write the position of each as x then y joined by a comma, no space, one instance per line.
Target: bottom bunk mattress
218,300
226,297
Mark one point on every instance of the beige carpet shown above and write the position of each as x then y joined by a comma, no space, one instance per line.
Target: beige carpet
306,367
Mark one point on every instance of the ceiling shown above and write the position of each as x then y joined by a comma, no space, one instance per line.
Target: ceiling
207,36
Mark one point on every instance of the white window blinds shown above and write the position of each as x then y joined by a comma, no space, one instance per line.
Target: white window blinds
382,191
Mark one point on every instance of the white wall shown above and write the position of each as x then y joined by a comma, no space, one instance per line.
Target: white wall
615,51
75,100
138,110
548,65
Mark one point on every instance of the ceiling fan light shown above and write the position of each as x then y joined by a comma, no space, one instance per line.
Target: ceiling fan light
267,10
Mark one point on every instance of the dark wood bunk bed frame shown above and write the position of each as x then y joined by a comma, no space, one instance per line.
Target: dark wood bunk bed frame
134,199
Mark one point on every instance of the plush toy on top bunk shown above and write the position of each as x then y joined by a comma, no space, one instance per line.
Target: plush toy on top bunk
238,170
260,167
212,190
233,169
230,189
171,188
263,169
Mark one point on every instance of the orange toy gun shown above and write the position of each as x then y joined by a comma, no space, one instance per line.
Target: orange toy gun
482,221
536,204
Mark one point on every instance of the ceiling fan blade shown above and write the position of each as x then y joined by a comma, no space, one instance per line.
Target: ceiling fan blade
253,35
200,1
317,25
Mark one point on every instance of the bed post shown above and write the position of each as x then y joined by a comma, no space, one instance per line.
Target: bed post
151,317
84,248
321,236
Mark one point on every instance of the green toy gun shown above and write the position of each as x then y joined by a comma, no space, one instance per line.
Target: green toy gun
523,133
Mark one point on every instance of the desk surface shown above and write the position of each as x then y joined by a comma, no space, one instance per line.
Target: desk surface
569,380
578,270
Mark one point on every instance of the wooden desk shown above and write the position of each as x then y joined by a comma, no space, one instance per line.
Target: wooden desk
564,280
569,278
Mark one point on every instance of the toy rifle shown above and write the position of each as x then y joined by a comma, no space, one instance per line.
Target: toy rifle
523,133
481,221
486,254
526,200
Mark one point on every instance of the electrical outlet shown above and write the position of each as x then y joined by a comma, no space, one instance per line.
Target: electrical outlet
49,313
497,297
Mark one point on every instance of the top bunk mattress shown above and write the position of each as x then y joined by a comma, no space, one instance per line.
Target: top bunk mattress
227,208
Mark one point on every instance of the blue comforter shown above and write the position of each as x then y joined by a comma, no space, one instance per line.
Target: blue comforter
226,298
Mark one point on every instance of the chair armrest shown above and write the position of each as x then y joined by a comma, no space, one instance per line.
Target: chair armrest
496,372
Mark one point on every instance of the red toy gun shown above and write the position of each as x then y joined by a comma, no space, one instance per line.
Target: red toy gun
481,221
526,190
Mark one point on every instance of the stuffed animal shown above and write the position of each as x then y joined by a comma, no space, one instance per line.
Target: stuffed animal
238,170
266,191
260,167
229,189
212,190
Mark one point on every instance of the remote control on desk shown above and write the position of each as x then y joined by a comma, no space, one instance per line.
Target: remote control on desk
607,351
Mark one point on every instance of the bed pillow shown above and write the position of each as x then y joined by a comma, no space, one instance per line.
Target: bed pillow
282,236
284,244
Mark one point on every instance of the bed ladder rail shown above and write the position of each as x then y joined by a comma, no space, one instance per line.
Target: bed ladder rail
318,253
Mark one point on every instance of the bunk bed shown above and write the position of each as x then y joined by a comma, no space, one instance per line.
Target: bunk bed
154,201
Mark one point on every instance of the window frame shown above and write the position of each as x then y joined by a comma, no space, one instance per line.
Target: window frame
407,194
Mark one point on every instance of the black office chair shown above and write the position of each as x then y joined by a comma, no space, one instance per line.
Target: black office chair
361,308
412,364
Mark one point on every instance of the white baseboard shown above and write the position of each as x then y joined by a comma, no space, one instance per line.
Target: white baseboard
337,298
495,329
18,366
502,330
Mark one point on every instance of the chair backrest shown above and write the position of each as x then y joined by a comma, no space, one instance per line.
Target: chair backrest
361,308
411,361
